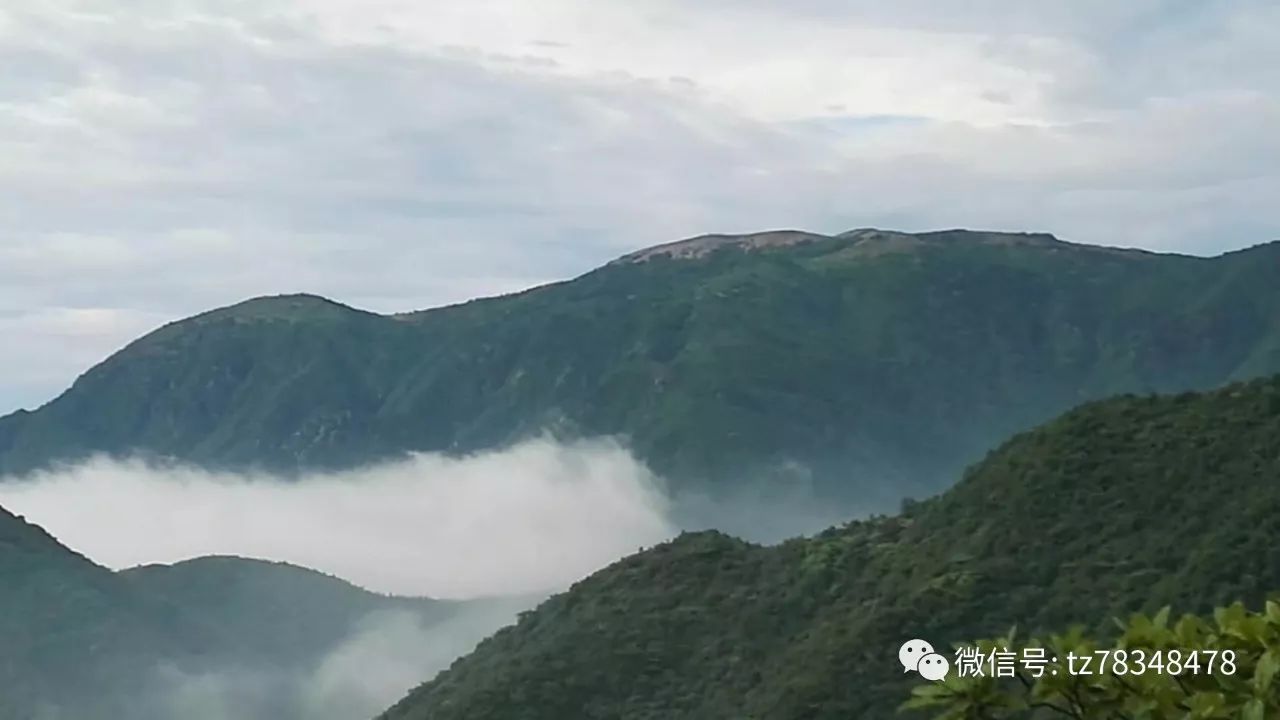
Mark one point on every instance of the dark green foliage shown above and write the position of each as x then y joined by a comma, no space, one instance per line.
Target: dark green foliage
281,615
884,362
1193,669
68,627
1117,507
82,643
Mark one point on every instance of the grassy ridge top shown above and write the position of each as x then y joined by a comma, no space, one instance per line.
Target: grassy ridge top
1119,506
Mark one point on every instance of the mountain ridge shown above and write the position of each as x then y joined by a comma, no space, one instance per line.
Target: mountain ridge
296,299
873,375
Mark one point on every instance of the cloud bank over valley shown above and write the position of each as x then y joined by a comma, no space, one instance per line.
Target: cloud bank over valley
527,519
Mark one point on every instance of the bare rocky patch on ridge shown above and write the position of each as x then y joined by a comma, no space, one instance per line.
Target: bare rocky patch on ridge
703,245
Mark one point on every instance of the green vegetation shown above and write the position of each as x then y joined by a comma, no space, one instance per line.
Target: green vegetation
70,630
80,642
281,615
1120,506
882,362
1198,669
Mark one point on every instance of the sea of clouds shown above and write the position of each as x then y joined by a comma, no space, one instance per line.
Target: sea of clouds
530,518
509,525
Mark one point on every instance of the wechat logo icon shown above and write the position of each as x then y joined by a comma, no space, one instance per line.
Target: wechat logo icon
918,656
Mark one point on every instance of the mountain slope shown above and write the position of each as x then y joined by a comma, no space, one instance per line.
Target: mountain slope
281,615
72,633
306,645
1119,506
210,638
874,364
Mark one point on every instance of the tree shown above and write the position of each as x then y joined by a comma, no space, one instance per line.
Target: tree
1196,669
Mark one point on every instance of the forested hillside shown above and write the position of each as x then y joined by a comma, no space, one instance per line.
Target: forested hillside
1119,506
71,632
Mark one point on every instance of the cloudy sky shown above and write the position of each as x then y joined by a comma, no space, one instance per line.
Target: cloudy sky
159,157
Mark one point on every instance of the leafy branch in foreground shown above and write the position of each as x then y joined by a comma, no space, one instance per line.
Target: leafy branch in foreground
1195,669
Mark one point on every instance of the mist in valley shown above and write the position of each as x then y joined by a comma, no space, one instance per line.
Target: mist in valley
510,526
387,654
527,519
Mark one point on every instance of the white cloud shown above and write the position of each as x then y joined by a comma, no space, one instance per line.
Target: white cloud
760,59
528,519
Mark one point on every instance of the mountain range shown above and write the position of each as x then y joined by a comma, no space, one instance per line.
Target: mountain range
864,367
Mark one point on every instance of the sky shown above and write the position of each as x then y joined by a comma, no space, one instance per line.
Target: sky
158,158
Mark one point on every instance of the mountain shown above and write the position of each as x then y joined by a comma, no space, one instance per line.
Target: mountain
71,632
305,644
870,365
1119,506
282,614
210,638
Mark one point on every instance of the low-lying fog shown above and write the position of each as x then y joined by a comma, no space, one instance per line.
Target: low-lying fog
387,654
526,519
522,521
531,518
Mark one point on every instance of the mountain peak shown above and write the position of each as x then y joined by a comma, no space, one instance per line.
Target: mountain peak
291,308
288,306
286,302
